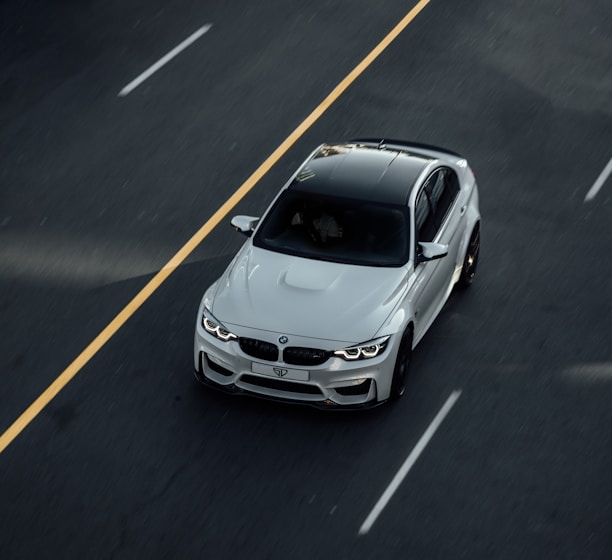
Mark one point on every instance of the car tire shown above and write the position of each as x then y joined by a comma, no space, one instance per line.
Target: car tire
402,365
470,262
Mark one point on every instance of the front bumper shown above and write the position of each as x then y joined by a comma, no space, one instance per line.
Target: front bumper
322,405
334,384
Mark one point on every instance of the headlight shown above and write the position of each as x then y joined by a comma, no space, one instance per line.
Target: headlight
364,351
214,327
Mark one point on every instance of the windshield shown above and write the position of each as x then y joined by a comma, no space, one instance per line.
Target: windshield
336,229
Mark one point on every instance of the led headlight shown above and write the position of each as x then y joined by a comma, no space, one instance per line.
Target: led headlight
364,351
214,327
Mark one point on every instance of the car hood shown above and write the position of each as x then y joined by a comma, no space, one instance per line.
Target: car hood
281,293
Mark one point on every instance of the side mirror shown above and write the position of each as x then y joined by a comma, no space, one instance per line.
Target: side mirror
430,251
245,224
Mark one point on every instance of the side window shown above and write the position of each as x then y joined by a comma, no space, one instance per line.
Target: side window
435,189
442,189
451,189
424,218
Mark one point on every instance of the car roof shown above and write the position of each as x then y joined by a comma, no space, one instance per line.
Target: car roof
374,173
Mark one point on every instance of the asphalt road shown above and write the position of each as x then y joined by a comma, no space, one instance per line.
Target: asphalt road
133,459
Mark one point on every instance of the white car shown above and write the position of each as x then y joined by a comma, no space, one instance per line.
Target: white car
342,276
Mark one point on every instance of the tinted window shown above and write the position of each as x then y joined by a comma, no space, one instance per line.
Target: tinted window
442,188
435,189
336,229
425,225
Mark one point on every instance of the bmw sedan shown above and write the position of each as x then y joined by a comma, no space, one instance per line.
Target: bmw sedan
342,276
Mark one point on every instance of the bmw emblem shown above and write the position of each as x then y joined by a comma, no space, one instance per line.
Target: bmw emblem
283,339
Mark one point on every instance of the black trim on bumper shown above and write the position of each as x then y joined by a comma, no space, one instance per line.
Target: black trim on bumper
322,405
361,389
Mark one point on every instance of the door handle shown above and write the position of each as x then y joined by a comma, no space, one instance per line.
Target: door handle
463,209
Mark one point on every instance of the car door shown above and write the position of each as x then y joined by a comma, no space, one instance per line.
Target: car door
434,221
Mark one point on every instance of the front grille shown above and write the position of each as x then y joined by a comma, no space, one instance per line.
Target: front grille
360,389
287,386
259,349
304,356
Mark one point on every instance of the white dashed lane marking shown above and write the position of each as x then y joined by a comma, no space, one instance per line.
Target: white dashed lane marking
164,60
603,176
409,463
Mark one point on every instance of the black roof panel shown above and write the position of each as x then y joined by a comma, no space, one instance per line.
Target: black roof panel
361,172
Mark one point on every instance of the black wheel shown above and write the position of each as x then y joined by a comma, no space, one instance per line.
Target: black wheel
402,365
470,263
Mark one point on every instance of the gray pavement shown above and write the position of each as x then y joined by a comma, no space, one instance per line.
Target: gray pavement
133,459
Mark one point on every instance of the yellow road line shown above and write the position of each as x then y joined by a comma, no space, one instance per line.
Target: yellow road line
109,331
